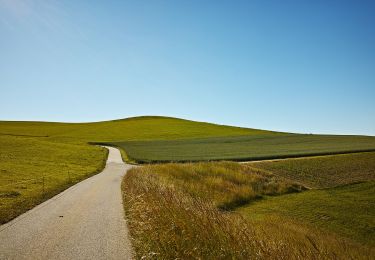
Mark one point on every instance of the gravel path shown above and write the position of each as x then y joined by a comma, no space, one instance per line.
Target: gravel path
85,221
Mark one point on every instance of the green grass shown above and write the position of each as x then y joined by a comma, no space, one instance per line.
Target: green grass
33,170
175,211
348,210
338,203
324,171
252,147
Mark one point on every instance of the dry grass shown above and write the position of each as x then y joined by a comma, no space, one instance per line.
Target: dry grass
226,184
173,213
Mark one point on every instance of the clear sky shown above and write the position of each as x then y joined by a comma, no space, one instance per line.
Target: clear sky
299,66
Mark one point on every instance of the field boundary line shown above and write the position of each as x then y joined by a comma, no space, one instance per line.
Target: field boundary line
307,156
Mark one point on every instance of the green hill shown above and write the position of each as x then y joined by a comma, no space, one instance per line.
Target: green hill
163,139
129,129
40,159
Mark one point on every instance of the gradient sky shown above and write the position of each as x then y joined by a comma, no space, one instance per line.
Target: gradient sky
298,66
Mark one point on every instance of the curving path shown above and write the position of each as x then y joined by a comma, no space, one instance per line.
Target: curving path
85,221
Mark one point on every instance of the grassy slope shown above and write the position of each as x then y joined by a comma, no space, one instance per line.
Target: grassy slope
24,161
343,206
347,210
325,171
138,128
173,211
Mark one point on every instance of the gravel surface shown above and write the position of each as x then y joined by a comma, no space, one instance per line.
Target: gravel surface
85,221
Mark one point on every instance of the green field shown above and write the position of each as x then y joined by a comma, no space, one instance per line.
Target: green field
33,170
347,210
243,148
342,199
186,211
324,171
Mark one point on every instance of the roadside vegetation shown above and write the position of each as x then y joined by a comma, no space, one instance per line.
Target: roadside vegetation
188,211
226,184
33,170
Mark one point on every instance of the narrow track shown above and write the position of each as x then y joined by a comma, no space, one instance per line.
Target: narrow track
85,221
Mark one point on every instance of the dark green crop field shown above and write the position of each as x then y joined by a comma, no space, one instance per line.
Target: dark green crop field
242,148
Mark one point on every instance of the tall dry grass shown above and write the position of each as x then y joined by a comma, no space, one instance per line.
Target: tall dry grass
174,212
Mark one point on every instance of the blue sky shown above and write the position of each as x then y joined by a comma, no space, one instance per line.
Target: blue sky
298,66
